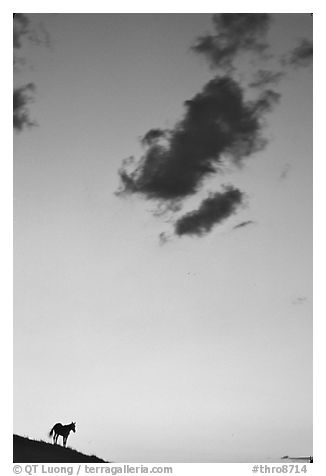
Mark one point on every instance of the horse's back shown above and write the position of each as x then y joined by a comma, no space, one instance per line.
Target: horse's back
57,426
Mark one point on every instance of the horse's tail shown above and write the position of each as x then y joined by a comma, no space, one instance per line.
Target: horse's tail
51,432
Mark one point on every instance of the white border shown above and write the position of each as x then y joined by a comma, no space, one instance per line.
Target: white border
6,193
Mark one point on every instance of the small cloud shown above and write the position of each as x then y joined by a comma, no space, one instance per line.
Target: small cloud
243,224
164,238
212,211
21,98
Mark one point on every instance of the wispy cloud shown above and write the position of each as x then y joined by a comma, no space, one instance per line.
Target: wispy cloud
265,78
23,29
234,33
34,32
20,29
164,238
285,171
300,56
299,300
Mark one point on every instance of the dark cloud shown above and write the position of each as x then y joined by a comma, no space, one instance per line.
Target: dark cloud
21,28
217,123
22,96
300,56
234,33
243,224
36,34
212,211
219,126
264,78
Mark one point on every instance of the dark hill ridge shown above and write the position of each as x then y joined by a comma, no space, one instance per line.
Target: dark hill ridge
33,451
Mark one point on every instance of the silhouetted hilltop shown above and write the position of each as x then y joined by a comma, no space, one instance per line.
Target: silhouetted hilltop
32,451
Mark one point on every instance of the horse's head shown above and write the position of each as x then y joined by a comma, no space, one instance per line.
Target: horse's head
73,426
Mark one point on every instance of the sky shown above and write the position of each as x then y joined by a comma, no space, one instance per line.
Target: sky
164,304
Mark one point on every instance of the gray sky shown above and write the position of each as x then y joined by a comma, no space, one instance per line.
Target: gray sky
199,350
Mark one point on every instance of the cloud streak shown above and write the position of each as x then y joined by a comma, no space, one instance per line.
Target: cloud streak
244,224
265,78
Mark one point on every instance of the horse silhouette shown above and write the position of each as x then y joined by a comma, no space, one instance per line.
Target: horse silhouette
62,430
